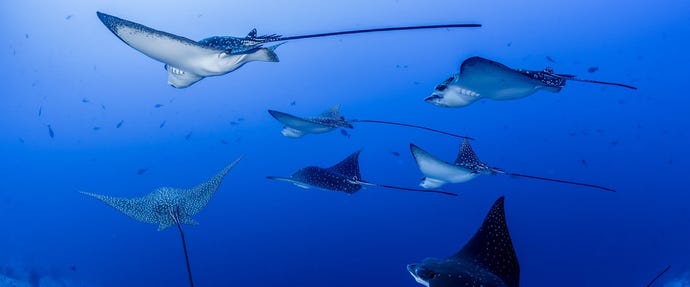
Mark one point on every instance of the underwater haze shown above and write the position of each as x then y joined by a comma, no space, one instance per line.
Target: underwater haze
83,111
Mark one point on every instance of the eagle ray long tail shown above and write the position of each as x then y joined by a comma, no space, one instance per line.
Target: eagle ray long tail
604,83
281,38
412,126
418,190
184,247
406,188
658,276
556,180
574,78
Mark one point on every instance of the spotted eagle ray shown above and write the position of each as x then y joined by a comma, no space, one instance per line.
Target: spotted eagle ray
466,167
297,127
343,176
167,206
481,78
488,259
188,61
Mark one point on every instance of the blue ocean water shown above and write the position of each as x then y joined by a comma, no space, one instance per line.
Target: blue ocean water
64,70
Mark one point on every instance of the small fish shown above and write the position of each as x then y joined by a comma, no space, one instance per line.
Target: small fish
119,124
142,170
584,162
158,105
234,123
345,133
224,141
240,119
614,142
293,103
40,111
50,132
73,268
26,36
161,125
395,153
509,44
85,100
550,59
593,69
68,17
103,106
21,140
96,128
188,136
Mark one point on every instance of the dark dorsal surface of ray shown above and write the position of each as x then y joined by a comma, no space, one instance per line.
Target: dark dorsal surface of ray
332,118
156,206
488,259
492,247
325,179
468,159
348,167
344,176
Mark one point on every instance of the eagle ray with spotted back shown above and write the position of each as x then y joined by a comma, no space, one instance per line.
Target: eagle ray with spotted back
157,206
468,166
481,78
488,259
344,177
188,61
297,127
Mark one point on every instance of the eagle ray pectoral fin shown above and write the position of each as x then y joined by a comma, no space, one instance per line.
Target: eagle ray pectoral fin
164,225
135,208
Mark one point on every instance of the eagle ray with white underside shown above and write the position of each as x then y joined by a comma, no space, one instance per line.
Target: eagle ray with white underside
331,119
487,260
466,167
188,61
481,78
343,176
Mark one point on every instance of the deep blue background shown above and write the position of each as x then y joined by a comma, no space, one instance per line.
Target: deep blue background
257,232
